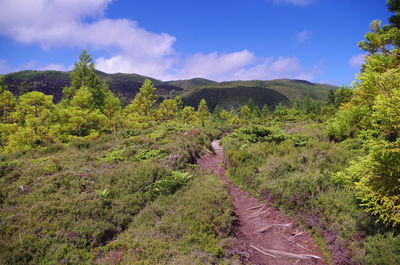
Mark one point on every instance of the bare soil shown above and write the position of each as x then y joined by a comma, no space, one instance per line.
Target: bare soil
263,235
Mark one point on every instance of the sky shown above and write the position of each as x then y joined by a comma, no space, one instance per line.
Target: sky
314,40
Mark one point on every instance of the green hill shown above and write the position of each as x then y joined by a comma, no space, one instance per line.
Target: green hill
52,82
191,83
226,94
233,96
236,93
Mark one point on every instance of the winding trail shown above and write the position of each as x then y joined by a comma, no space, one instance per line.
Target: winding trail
263,234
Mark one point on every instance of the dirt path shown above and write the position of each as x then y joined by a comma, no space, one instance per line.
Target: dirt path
263,234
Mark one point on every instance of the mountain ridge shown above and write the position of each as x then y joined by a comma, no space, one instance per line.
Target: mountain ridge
225,93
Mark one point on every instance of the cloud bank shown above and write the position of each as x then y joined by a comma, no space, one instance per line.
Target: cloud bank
132,49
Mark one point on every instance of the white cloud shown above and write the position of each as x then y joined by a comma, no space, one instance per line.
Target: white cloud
132,49
295,2
274,68
61,23
214,66
56,67
303,36
357,60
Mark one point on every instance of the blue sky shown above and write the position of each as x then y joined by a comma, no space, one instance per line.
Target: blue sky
315,40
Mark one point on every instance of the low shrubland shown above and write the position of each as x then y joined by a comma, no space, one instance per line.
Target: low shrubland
125,196
293,165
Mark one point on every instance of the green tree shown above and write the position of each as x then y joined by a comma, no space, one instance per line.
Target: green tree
142,107
188,114
84,75
217,114
203,113
7,106
373,113
343,95
256,113
331,97
112,110
168,110
35,116
251,105
265,111
245,112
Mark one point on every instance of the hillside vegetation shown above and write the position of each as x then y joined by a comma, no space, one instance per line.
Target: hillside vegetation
88,180
125,86
227,94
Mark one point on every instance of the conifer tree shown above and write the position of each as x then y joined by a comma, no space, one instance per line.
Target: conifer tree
188,114
245,112
35,117
7,106
265,111
168,110
203,112
84,75
142,106
251,105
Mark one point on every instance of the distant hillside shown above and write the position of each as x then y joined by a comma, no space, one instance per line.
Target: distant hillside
191,83
233,96
226,94
236,93
52,82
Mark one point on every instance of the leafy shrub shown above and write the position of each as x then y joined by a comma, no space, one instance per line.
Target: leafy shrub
150,154
254,134
300,140
169,184
382,249
348,123
117,155
80,142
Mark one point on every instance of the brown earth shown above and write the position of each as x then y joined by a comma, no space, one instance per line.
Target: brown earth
263,235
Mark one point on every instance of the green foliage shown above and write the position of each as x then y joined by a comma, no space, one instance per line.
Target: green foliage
104,194
84,75
203,113
117,155
245,112
150,154
254,134
142,106
382,249
295,174
373,114
375,177
169,184
7,106
342,96
348,123
75,206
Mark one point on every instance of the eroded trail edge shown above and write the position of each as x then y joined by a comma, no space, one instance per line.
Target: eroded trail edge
263,234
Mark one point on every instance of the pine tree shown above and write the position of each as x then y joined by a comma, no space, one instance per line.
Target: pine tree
245,112
142,106
7,106
251,105
188,114
35,117
265,111
168,110
84,75
203,112
216,114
